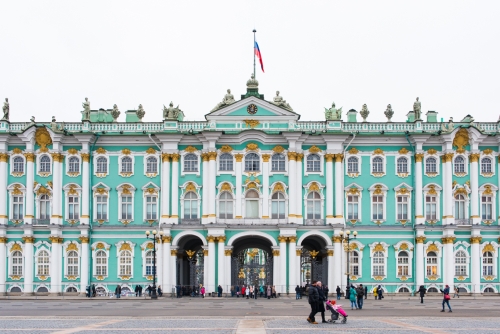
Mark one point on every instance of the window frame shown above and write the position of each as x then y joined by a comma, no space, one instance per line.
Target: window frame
67,263
383,164
45,266
313,163
222,159
408,165
147,165
125,246
13,172
193,163
98,162
96,247
285,163
257,199
16,190
493,249
488,190
485,173
315,201
375,250
39,158
232,205
428,190
398,248
278,200
437,164
68,164
126,169
96,194
458,172
383,195
464,265
258,166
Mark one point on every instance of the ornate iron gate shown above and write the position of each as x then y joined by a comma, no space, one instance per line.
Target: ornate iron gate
252,267
311,268
196,269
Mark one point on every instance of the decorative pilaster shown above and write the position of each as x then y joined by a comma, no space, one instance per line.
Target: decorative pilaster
30,201
265,185
339,189
174,218
3,264
56,218
330,251
210,264
419,259
4,157
227,260
329,188
56,266
474,187
165,188
292,188
448,189
276,267
29,258
449,261
299,201
204,190
282,285
84,272
85,217
337,260
292,269
475,260
238,171
173,265
212,178
418,190
221,263
167,267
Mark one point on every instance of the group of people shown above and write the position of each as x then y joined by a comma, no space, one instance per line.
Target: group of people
300,290
252,291
90,291
446,295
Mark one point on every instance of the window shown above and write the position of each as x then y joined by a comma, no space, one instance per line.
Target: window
149,263
45,164
403,264
252,204
430,208
72,263
313,205
431,166
377,207
18,165
460,263
102,207
73,208
486,207
43,263
353,263
278,206
102,165
459,206
190,206
252,162
191,163
101,263
278,163
226,162
73,165
486,166
313,163
402,207
226,205
352,165
402,163
352,207
17,263
151,165
378,264
125,263
17,207
432,262
126,207
126,165
377,165
151,207
459,165
487,264
44,207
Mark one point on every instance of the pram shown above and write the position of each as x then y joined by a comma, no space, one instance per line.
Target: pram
337,312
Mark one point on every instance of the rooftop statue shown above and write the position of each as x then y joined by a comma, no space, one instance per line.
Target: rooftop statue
140,112
364,112
101,115
6,109
448,127
115,112
86,110
467,119
280,102
227,100
172,113
55,127
333,114
417,108
388,113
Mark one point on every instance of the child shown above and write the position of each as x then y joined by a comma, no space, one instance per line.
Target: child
336,307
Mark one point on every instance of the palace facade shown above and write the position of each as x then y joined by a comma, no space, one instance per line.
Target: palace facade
251,195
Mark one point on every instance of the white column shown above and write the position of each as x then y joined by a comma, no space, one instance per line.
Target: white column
30,201
339,189
3,264
173,266
337,262
85,191
211,264
227,259
418,190
299,206
212,186
159,262
167,264
474,187
331,269
475,260
329,188
29,258
419,259
4,218
175,189
221,265
448,191
298,250
265,186
56,217
276,266
292,269
292,189
55,264
205,188
239,158
449,261
165,188
282,259
84,271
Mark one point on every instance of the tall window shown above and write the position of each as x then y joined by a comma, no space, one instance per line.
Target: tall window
125,263
149,263
190,206
151,207
73,165
432,261
402,207
126,165
101,263
430,208
18,165
226,205
73,208
226,162
126,207
378,264
459,164
352,165
487,207
44,207
486,165
151,165
460,263
402,163
459,206
45,164
354,263
313,163
278,206
403,264
252,162
313,205
102,207
352,207
191,163
377,165
102,165
43,263
17,207
278,163
431,165
17,263
252,204
72,263
487,264
378,207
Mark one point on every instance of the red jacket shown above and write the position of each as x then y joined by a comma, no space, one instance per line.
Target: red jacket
243,289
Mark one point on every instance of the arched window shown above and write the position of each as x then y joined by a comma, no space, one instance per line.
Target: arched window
102,165
487,264
70,289
126,203
354,263
486,166
190,206
151,207
125,263
72,263
126,165
378,264
45,164
377,165
352,165
489,290
278,206
487,207
17,263
252,204
403,290
191,163
44,207
430,208
460,263
403,264
43,263
352,207
313,163
18,165
252,162
151,165
459,206
402,163
149,263
313,205
101,263
432,290
73,165
226,205
432,261
431,165
459,164
226,162
102,207
278,163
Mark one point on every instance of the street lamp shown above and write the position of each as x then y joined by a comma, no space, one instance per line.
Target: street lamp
346,236
156,239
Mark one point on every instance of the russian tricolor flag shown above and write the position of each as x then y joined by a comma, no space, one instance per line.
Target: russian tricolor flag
258,54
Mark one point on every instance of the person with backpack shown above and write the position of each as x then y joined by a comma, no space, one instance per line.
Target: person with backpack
360,294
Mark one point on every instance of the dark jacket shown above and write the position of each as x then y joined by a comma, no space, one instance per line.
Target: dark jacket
297,289
321,294
360,291
422,291
313,295
338,290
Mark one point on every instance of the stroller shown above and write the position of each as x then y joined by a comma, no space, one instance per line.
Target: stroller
337,312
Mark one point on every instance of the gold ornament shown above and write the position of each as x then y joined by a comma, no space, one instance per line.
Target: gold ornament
17,150
125,246
403,150
292,156
378,151
228,252
252,147
252,123
85,157
100,150
265,157
278,149
150,151
314,149
190,187
278,187
353,150
190,149
488,151
488,248
42,138
378,248
461,140
474,157
72,247
238,157
313,187
226,187
226,149
420,239
475,240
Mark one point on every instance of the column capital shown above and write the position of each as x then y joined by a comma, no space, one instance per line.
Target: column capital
339,157
329,252
282,238
4,157
476,240
166,239
474,157
292,239
165,157
448,157
175,157
337,239
276,252
298,252
292,156
448,240
212,155
29,239
228,252
299,157
30,156
329,157
205,252
85,157
173,252
3,240
221,238
211,238
238,157
84,240
420,239
419,157
56,239
265,157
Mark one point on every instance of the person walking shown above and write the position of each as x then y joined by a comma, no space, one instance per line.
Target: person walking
446,297
456,292
361,292
160,293
136,290
339,292
352,297
247,291
232,290
274,291
297,292
269,292
177,290
261,291
326,292
251,291
237,288
322,299
118,291
380,292
243,290
88,291
219,291
366,292
375,293
202,291
313,301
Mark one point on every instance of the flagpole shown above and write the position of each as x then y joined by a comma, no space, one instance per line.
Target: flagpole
254,31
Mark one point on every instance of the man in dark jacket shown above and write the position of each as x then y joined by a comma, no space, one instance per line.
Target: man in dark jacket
360,293
366,292
313,301
339,292
219,291
422,292
322,300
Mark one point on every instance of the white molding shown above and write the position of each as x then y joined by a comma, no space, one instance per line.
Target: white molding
120,163
384,165
106,250
145,163
198,161
466,165
11,162
38,165
438,165
73,174
493,165
96,156
94,198
132,190
346,165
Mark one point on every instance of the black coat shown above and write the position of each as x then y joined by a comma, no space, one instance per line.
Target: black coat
338,290
313,295
422,291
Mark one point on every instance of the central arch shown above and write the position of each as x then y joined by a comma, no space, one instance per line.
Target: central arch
313,257
190,264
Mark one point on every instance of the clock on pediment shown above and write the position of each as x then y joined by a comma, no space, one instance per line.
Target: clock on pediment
252,109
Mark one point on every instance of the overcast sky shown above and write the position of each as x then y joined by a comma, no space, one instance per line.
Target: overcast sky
53,54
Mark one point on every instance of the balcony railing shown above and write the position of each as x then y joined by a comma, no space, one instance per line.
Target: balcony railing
190,221
314,222
466,221
40,222
252,221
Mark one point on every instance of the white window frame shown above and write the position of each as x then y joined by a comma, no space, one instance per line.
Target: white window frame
493,166
409,250
384,190
184,191
158,165
218,161
283,172
244,202
118,258
346,164
321,194
70,173
10,258
466,165
347,192
466,264
439,254
94,258
38,165
384,165
408,165
66,259
39,247
385,252
243,163
181,166
359,248
466,200
398,191
145,193
95,194
495,259
438,165
426,191
120,190
219,193
14,173
11,188
72,187
144,251
321,163
96,157
493,195
120,165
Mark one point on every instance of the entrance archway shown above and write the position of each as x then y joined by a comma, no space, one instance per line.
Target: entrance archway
313,260
190,264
